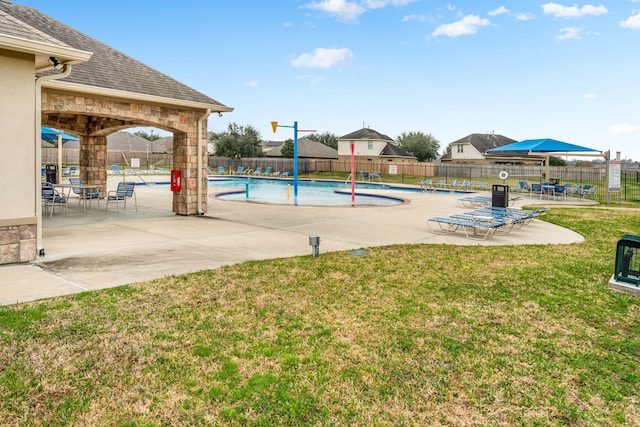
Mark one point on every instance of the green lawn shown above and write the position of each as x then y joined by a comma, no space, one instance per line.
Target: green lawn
405,335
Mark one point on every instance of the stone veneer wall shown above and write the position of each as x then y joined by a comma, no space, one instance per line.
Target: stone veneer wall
18,243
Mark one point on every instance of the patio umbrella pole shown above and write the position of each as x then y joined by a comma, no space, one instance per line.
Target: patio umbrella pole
59,175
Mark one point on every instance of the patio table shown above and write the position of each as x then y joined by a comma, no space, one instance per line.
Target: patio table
86,187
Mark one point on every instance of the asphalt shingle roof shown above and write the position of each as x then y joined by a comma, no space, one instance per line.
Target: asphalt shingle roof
307,149
107,68
394,150
11,26
366,133
481,142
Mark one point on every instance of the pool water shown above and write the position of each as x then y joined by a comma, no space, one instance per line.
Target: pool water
310,192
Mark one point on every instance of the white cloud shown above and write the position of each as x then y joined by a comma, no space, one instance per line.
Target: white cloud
523,16
589,96
470,24
251,83
377,4
632,22
622,128
322,58
499,11
569,33
342,9
350,11
560,11
414,17
288,24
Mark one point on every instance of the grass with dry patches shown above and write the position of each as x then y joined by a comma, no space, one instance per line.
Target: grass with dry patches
405,335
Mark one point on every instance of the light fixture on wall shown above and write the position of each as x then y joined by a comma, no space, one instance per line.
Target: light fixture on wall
219,113
53,61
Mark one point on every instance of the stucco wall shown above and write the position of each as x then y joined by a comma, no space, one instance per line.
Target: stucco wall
361,147
17,141
17,159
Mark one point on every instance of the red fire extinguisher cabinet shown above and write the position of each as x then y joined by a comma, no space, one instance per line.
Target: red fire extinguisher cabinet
176,180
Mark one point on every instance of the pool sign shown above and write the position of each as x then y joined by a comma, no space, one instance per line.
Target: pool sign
135,162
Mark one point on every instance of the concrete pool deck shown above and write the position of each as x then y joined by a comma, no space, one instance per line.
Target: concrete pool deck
100,249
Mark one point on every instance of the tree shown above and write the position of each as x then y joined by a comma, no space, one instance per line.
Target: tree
424,147
287,149
326,138
238,141
143,134
557,161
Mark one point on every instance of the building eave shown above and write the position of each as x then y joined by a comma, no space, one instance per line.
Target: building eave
64,54
100,91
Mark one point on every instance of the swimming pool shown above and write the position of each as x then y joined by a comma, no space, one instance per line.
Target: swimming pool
310,192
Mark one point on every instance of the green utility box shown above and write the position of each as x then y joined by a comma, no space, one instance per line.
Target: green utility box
626,275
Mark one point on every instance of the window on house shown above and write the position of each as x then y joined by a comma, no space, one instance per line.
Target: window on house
461,148
370,145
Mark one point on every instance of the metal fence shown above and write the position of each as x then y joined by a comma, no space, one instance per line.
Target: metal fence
408,173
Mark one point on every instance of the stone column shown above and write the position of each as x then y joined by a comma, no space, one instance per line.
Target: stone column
93,161
185,159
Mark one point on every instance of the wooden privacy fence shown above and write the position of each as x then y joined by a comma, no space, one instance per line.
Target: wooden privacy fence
147,160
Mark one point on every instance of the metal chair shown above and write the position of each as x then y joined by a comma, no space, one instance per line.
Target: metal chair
125,190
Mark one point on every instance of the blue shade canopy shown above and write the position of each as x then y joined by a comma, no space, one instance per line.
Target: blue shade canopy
542,146
51,135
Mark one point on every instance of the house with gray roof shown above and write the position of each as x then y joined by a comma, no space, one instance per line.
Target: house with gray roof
472,149
371,145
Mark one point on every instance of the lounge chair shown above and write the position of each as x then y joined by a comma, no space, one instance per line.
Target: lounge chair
364,175
503,225
116,169
483,186
221,170
125,190
258,171
467,185
427,185
267,171
441,183
473,229
475,201
69,171
51,197
376,175
589,191
575,191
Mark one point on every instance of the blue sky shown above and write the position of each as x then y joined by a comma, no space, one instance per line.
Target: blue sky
523,69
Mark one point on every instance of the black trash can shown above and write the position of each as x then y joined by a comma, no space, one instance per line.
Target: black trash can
499,196
52,174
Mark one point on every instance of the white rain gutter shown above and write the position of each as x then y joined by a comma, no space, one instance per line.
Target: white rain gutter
201,120
38,157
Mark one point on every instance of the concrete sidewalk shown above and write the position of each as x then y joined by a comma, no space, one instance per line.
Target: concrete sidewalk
100,249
